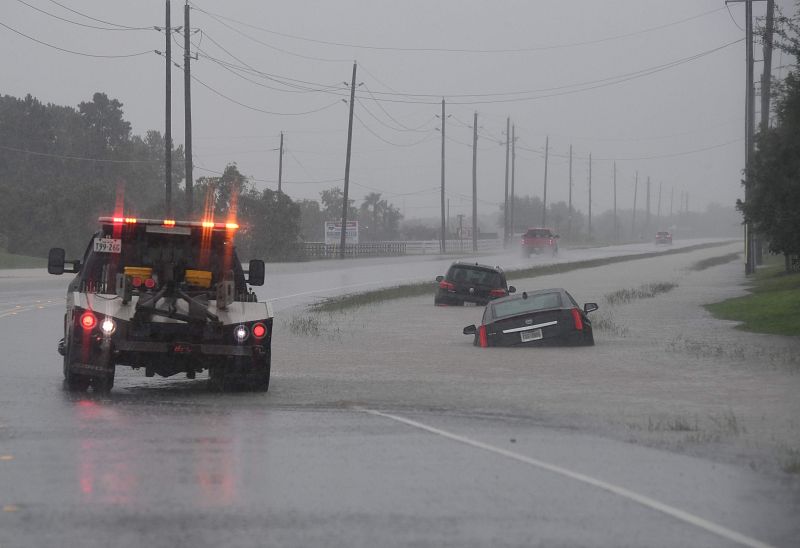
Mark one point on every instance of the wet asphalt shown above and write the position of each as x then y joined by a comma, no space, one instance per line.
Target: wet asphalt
164,462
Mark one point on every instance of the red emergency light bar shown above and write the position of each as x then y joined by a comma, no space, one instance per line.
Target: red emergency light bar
169,223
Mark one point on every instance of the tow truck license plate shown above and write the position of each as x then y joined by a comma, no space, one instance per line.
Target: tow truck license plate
470,303
182,348
532,335
107,245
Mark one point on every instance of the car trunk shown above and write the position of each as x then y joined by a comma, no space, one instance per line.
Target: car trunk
533,326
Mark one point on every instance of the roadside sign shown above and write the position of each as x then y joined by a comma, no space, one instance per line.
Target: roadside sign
333,232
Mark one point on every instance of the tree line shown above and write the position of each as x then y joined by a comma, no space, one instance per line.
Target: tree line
63,167
773,205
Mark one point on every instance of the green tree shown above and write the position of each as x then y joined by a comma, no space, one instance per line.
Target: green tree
773,204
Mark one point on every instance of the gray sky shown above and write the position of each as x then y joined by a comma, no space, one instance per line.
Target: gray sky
554,67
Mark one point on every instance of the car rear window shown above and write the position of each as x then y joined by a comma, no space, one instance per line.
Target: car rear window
541,301
472,275
537,233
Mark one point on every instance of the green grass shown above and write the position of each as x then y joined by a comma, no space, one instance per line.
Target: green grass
771,307
646,291
355,300
714,261
7,260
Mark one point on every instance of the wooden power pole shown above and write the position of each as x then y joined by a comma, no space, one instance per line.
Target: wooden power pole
475,182
345,200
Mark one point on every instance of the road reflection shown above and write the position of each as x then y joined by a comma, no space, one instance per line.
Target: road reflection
125,454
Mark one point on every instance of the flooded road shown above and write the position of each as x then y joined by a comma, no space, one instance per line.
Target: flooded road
388,428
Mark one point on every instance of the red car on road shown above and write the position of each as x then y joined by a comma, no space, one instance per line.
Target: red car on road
539,240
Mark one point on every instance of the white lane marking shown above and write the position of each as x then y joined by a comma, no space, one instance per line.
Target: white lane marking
529,327
610,487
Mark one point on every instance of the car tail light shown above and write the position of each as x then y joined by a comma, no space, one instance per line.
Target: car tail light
149,283
259,331
482,339
444,284
497,293
576,316
88,320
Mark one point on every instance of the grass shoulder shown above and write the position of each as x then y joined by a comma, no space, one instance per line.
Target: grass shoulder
9,260
770,307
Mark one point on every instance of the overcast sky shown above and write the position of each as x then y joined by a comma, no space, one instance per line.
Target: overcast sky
581,72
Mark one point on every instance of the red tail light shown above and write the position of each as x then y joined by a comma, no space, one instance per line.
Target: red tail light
576,315
444,284
497,293
149,283
136,281
259,330
88,320
482,339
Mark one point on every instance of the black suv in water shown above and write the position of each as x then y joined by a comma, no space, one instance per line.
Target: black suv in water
471,284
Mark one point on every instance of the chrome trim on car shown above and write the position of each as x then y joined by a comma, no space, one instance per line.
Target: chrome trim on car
529,327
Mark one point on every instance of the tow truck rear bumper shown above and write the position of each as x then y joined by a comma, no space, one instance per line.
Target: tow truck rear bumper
188,349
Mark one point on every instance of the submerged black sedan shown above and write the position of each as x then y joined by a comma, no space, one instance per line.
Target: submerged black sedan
546,316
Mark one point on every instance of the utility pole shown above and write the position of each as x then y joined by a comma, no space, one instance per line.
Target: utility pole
280,164
671,201
475,182
635,191
766,81
590,195
569,219
658,217
750,114
168,112
750,265
544,201
187,103
616,226
647,214
444,233
766,77
343,236
505,208
513,169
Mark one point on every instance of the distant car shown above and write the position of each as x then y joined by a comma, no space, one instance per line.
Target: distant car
471,284
663,237
539,240
546,316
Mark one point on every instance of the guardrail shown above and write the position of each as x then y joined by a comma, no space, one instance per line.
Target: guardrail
321,250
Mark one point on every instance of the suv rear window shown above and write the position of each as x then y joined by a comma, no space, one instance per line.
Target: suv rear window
474,275
538,233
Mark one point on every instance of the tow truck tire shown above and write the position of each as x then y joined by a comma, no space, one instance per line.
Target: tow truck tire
72,381
103,385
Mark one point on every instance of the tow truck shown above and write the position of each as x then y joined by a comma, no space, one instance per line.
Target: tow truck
166,296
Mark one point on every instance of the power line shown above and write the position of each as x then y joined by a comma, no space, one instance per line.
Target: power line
77,23
265,44
125,27
79,158
455,50
72,51
378,136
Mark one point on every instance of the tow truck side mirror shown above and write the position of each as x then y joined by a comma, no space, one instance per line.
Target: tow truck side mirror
55,261
255,272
